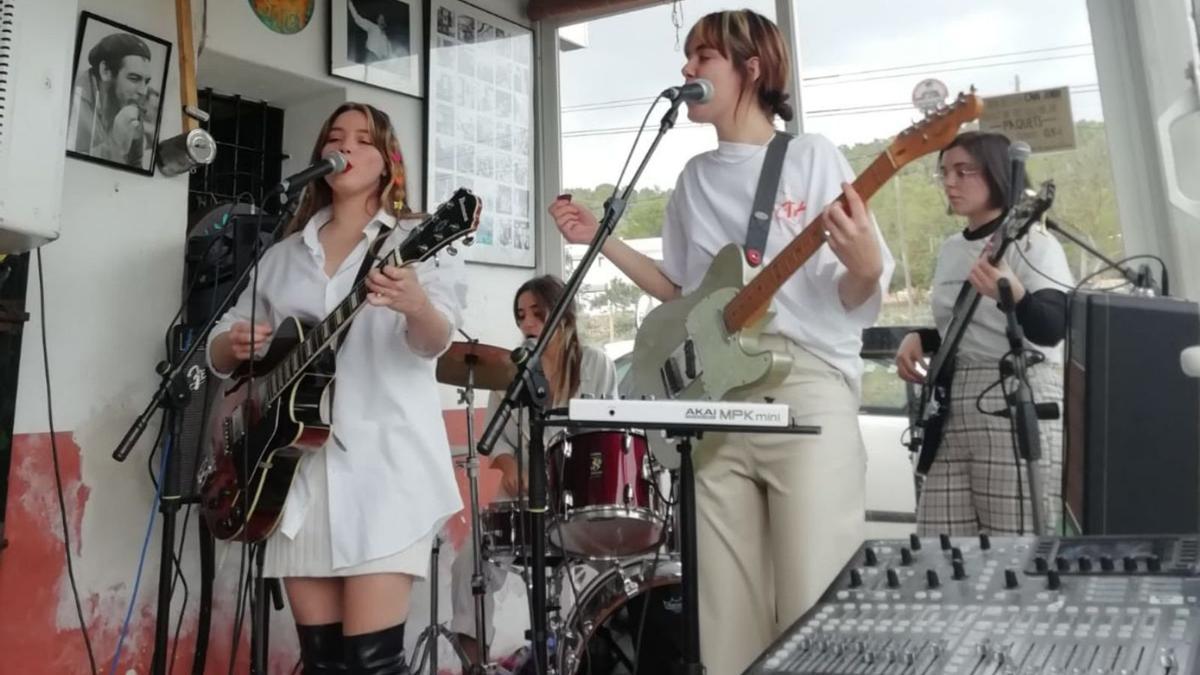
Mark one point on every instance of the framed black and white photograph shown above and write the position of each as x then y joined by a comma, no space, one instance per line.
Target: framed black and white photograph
116,101
480,113
379,42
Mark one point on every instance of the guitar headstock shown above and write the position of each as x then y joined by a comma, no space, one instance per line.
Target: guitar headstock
936,130
454,219
1027,211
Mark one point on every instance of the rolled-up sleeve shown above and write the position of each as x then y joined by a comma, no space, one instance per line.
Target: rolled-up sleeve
445,284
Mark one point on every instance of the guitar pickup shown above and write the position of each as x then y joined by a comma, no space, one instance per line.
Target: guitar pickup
681,369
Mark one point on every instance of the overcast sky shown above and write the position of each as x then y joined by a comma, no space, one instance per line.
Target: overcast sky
630,58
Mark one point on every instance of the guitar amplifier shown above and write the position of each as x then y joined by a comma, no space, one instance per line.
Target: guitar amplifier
190,443
1132,418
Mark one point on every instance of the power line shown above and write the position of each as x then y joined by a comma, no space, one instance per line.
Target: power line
866,109
820,80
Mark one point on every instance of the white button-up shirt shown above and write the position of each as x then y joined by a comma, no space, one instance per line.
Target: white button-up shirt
389,470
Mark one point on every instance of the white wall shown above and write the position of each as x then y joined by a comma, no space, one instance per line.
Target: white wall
113,283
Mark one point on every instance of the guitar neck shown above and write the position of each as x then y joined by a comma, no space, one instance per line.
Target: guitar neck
320,336
752,300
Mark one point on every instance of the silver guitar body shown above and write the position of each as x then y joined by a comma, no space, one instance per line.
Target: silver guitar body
684,352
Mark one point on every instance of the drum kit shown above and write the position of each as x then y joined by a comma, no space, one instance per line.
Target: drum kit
610,521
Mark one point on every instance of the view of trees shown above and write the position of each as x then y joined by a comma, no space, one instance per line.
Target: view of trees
911,211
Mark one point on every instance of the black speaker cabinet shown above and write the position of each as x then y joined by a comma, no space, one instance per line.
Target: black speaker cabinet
1132,419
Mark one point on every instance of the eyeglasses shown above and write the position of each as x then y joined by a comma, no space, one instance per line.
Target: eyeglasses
959,172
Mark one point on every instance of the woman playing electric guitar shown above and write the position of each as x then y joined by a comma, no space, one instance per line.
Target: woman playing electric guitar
777,515
361,514
976,483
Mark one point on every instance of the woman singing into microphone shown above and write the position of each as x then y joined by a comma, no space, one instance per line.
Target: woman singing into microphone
362,512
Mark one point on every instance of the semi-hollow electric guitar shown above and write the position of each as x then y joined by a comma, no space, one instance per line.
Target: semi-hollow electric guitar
704,346
933,405
266,422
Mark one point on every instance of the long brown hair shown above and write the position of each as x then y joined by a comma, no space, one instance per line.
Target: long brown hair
548,289
393,184
740,35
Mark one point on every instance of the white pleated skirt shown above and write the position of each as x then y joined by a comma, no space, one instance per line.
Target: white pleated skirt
310,554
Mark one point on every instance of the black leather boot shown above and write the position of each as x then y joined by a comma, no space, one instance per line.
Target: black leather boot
378,653
322,649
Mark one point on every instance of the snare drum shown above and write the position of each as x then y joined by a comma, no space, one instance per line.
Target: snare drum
505,525
601,486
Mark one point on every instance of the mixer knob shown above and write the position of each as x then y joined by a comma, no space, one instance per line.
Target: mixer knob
959,572
905,556
984,648
1166,659
1053,581
1040,564
1154,563
1106,563
985,542
893,579
914,542
910,657
1062,564
1129,563
855,578
931,579
1010,579
956,553
1085,563
869,557
945,540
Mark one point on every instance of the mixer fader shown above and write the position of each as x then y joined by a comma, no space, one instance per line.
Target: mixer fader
996,606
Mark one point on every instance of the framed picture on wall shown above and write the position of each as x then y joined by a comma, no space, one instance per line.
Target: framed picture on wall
116,99
378,42
480,120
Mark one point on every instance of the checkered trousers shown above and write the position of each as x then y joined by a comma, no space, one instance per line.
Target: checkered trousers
976,483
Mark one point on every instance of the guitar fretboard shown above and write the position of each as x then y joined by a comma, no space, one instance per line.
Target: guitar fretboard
321,335
753,299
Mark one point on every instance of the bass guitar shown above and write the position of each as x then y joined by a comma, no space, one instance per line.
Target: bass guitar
704,346
266,422
933,404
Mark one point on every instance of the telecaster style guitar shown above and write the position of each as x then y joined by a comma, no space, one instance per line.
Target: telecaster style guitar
933,406
704,346
266,422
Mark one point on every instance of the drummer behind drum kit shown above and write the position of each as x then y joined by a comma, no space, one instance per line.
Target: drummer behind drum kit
612,521
611,505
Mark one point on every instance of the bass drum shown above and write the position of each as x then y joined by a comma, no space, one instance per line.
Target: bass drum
600,633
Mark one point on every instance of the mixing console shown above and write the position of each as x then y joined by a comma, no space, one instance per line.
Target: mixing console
1003,606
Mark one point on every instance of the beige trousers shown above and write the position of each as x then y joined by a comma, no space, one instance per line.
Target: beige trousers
778,514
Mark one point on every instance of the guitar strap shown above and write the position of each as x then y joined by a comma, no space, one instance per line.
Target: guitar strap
764,198
369,259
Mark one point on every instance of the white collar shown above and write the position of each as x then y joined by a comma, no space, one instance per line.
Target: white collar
322,217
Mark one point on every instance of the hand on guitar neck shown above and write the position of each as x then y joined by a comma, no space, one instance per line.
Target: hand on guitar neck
850,234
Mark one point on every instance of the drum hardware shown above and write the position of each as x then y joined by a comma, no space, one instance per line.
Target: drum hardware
585,414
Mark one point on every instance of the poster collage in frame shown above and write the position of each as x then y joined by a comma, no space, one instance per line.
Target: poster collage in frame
480,112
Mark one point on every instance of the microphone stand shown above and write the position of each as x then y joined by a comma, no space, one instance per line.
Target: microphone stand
173,396
529,388
1142,281
1020,403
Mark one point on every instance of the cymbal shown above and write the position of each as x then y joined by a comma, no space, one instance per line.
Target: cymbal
493,366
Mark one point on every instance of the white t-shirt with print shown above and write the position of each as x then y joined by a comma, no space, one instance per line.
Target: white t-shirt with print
710,209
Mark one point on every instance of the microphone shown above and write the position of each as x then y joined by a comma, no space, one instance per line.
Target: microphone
1018,152
697,91
521,354
333,162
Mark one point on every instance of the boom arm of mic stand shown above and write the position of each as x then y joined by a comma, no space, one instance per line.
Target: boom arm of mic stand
614,207
1133,277
160,395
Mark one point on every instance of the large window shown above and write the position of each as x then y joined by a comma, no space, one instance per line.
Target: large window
862,60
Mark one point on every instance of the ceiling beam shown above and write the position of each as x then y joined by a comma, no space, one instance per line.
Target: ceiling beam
573,11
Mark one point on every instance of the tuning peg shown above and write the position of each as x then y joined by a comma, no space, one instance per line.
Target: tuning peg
467,241
451,250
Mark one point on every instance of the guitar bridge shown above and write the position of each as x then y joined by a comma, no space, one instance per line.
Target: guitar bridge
681,368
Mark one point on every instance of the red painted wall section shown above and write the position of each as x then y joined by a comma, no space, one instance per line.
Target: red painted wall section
39,630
